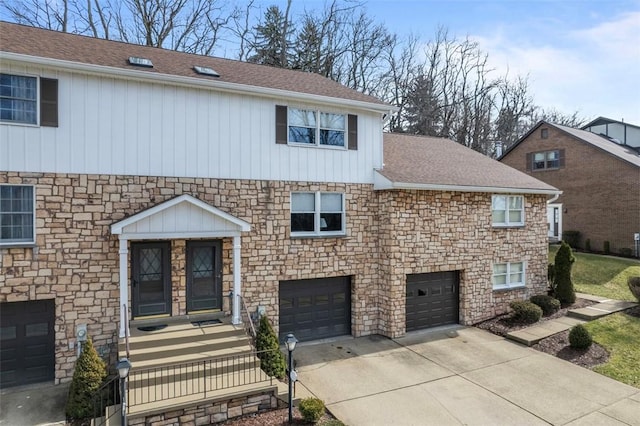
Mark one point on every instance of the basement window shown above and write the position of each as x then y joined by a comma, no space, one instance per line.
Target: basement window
508,275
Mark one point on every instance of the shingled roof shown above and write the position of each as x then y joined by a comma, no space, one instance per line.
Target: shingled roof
41,43
421,162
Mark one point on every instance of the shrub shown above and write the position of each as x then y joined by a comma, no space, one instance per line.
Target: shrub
548,304
312,409
564,291
634,286
587,244
626,251
89,373
579,337
525,312
607,247
572,238
271,359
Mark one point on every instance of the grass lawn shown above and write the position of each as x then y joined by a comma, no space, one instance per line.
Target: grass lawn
601,275
620,335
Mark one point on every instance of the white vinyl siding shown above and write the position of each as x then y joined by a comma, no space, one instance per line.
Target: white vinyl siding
507,210
17,215
317,214
508,275
118,127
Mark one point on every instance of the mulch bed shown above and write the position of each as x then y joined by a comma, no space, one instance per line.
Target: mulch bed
558,345
276,417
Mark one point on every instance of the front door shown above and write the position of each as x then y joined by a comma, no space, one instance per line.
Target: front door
204,276
151,279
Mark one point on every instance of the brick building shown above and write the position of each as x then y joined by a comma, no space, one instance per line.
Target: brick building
599,179
135,187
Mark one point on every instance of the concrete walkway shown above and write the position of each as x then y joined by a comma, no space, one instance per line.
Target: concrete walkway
459,376
531,335
40,404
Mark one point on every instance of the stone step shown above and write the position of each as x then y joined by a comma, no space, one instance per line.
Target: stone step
192,350
175,337
601,309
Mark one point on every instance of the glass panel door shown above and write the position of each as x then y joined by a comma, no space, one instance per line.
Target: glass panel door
151,279
204,276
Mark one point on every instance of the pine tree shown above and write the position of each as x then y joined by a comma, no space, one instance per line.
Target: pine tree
89,373
563,284
273,39
271,359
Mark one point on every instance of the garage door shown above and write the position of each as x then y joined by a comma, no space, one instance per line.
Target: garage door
432,300
315,309
27,350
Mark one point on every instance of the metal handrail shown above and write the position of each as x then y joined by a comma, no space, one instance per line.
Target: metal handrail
252,327
108,394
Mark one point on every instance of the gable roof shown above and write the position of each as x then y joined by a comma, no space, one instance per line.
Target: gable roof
422,162
22,42
604,120
622,152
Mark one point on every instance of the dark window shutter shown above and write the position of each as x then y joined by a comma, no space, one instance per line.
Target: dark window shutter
48,102
281,124
561,158
529,160
353,131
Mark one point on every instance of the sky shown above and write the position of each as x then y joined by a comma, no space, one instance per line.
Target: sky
580,55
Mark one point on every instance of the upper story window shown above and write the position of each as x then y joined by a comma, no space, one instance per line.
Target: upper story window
508,275
507,210
17,215
544,133
23,97
317,213
309,127
545,160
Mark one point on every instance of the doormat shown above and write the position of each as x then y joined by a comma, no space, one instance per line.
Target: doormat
206,322
153,327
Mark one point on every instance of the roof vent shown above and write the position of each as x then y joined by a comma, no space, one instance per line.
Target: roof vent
141,62
206,71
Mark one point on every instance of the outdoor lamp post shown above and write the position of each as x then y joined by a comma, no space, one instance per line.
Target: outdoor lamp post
291,346
123,368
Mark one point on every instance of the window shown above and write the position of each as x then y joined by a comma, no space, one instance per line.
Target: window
19,99
17,215
544,133
508,275
507,210
306,127
546,160
317,213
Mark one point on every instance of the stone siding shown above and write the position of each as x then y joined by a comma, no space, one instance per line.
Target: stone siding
390,234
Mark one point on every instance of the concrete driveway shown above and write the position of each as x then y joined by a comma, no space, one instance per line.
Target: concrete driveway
472,378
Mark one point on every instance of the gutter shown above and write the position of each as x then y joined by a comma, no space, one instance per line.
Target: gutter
194,82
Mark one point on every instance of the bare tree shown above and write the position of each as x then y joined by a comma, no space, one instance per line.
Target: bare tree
38,13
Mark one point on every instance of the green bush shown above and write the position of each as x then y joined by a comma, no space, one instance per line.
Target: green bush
626,251
634,286
548,304
579,337
572,238
271,359
525,312
312,409
89,373
607,247
564,291
587,244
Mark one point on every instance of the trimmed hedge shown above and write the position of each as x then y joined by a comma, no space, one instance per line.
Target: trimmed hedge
89,373
579,337
525,312
312,409
548,304
564,259
271,359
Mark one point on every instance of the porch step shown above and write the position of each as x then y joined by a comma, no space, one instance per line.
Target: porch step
181,334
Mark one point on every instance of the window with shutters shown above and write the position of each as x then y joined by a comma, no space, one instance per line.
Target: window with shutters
317,213
28,100
308,127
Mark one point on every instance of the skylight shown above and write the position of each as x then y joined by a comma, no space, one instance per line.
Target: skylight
141,62
206,71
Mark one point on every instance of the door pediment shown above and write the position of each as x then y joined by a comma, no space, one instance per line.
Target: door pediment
180,218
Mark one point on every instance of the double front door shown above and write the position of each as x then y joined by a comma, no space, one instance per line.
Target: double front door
151,277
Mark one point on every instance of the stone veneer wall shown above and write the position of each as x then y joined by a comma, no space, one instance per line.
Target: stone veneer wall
390,234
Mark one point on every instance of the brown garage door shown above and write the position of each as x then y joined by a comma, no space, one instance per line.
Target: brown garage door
27,350
315,309
432,300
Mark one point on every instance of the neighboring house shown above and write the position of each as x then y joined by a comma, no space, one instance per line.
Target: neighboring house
599,179
618,131
136,186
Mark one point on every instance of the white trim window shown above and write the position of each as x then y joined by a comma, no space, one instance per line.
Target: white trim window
507,210
18,99
309,127
317,213
17,215
508,275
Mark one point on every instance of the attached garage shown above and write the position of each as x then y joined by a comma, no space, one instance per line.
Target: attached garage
432,300
27,350
315,309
